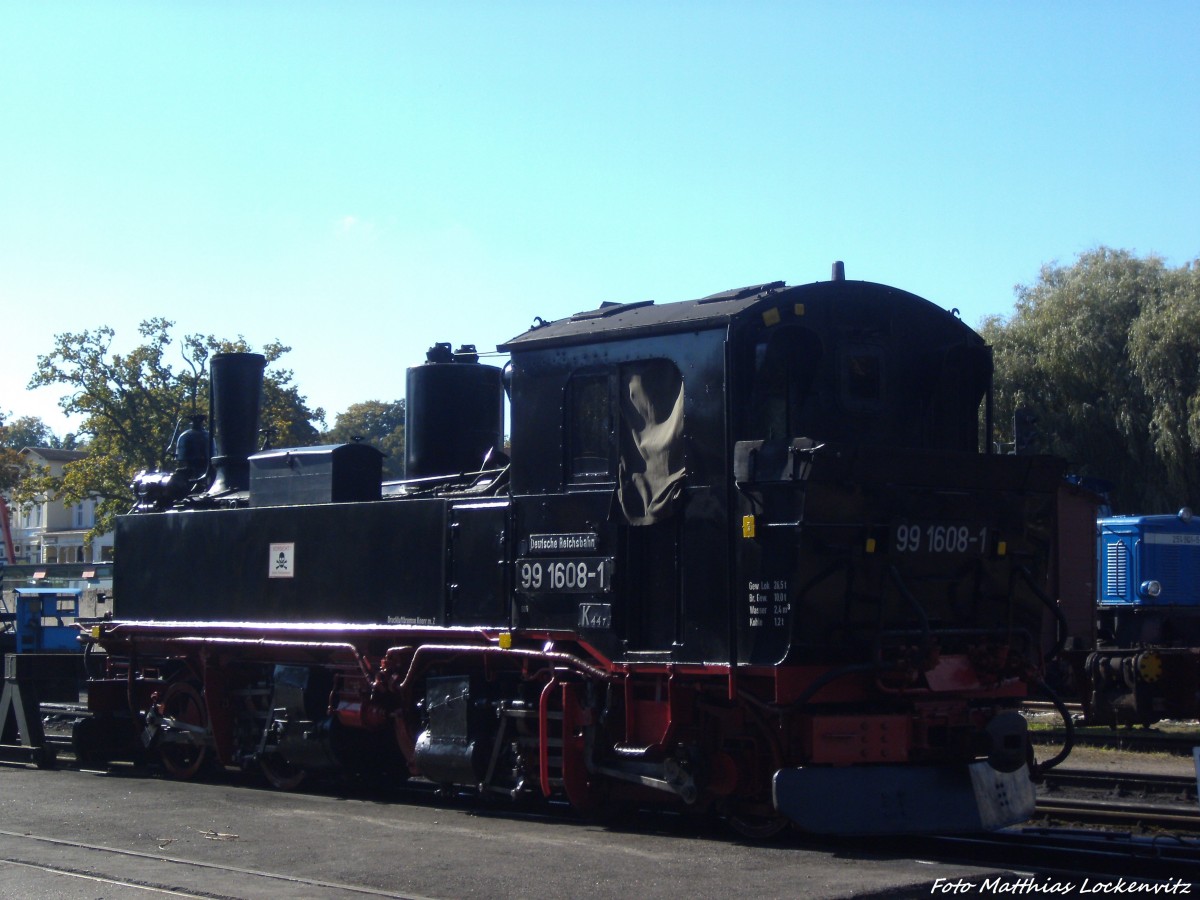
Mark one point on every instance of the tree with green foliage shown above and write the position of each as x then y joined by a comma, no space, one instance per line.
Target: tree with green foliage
379,424
1106,354
15,436
134,404
31,431
1165,347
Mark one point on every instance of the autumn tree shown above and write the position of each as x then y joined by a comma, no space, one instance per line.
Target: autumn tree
1106,354
379,424
133,405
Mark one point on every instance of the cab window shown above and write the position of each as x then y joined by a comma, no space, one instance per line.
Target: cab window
785,389
590,441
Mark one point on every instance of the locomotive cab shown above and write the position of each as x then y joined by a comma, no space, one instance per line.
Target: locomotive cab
634,474
832,527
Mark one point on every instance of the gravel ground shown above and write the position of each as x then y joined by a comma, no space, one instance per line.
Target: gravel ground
1130,760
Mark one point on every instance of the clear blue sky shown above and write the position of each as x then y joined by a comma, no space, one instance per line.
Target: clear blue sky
361,179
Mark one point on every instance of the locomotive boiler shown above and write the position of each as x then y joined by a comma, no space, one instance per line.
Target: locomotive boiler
748,554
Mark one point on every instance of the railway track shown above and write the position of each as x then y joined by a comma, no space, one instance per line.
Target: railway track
1044,706
163,874
1124,799
1120,784
1056,854
1140,816
1065,853
1148,740
1141,741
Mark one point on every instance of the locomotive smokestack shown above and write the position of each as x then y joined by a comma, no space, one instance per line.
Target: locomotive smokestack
236,392
839,271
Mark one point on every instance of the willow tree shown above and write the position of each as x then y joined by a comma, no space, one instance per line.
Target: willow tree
1105,353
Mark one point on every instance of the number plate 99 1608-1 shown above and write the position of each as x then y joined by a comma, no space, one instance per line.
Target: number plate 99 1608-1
939,537
565,575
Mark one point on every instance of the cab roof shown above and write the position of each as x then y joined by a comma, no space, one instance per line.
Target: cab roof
613,321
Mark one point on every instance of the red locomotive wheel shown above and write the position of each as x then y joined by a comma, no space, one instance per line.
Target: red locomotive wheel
750,811
184,759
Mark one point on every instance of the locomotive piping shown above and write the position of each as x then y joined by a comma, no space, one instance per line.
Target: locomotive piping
547,655
1038,770
267,642
544,733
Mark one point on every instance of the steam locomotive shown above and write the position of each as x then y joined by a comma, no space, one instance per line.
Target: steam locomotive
744,554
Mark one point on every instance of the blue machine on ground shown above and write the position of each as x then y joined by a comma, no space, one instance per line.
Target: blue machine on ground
45,619
1146,663
40,650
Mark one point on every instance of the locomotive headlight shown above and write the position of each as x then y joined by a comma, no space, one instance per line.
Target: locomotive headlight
1151,588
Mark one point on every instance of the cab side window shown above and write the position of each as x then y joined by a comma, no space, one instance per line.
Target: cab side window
785,403
625,425
862,384
590,439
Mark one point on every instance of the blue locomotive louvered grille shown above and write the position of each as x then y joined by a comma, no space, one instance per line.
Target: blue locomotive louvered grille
1170,577
1116,571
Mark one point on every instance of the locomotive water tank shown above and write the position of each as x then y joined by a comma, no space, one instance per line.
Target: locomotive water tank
454,413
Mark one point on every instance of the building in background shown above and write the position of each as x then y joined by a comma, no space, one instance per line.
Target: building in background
49,531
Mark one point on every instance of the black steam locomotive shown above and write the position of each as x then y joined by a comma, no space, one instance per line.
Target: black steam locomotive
744,554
